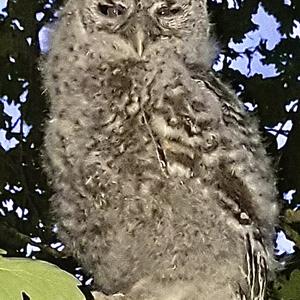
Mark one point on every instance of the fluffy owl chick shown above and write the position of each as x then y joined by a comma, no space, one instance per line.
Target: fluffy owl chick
163,189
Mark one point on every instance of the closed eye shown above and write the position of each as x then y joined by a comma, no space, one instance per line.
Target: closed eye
166,11
111,10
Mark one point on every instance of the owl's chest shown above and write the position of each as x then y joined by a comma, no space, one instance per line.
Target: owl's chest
155,87
157,120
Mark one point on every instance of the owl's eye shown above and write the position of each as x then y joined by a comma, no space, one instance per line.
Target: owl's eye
166,11
111,10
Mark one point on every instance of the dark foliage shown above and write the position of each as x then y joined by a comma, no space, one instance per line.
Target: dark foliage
23,108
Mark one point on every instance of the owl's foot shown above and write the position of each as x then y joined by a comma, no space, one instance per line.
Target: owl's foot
101,296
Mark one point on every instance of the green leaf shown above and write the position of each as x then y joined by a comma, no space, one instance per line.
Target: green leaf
39,280
3,252
289,289
292,216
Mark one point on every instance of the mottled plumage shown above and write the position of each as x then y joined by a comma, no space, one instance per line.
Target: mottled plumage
163,189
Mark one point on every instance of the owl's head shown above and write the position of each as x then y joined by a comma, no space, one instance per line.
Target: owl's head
149,27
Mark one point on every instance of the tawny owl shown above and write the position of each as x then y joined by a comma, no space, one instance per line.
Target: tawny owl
163,189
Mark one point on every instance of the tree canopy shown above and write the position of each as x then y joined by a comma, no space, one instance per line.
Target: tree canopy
259,57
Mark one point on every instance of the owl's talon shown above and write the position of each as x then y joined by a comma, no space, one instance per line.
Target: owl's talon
99,296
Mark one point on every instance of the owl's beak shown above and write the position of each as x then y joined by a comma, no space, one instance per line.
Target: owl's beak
139,40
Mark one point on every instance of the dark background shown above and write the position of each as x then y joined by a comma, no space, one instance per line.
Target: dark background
25,222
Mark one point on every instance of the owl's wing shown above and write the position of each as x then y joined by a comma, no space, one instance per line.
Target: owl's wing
244,171
244,178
